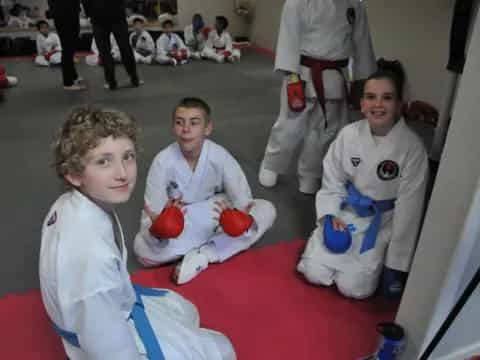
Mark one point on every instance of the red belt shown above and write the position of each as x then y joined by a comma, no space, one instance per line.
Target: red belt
317,67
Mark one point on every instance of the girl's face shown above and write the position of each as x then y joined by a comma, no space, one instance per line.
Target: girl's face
110,172
380,105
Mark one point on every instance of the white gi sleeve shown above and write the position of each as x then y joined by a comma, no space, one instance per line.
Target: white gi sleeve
179,41
150,44
156,196
289,37
235,182
58,44
113,43
40,43
130,40
162,45
209,42
407,214
94,47
189,37
363,55
101,328
228,42
333,191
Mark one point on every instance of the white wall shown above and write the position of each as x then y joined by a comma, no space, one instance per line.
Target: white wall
266,20
451,199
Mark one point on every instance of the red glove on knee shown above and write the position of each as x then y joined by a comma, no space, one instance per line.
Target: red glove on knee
235,222
296,95
169,224
2,70
183,54
49,54
227,54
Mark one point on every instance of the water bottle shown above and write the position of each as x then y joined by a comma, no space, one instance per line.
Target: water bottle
392,341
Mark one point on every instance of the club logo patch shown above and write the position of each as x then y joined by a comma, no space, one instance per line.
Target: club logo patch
173,190
351,15
355,161
388,170
53,219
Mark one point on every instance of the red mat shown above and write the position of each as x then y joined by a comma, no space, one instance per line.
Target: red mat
257,299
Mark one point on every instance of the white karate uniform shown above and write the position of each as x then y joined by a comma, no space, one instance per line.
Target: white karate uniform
143,47
358,157
216,45
47,44
319,29
194,42
217,176
86,290
23,22
166,44
94,59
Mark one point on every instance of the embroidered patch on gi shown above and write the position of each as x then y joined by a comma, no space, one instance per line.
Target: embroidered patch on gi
355,161
388,170
351,15
53,219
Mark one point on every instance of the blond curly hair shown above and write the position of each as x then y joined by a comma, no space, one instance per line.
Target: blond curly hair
83,130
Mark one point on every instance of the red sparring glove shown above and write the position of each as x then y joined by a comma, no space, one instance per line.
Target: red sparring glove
422,111
3,82
49,54
235,222
169,224
206,31
183,54
296,93
2,70
227,54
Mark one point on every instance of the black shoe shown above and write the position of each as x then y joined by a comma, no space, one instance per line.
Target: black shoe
111,86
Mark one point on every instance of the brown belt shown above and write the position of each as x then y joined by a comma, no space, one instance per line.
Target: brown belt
317,67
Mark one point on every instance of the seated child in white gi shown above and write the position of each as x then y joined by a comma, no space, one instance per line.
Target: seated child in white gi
370,206
94,59
19,18
141,42
195,36
49,49
219,45
85,285
171,49
202,179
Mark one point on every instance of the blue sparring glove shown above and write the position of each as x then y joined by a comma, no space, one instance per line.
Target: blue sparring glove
393,283
336,241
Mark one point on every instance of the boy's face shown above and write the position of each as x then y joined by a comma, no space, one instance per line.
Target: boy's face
380,104
219,25
191,128
43,28
110,172
138,26
167,28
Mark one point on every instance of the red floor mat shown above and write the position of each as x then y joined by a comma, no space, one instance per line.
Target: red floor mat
257,299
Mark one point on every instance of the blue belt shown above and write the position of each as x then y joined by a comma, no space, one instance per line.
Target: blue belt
140,320
364,207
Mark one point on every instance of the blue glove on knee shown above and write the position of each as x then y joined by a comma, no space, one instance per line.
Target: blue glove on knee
393,283
336,241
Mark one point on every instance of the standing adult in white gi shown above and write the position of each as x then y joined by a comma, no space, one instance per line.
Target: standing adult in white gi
85,285
370,206
315,42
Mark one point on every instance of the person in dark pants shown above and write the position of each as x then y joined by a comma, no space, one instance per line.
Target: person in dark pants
65,14
108,16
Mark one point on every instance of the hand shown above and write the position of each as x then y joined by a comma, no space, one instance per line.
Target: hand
170,223
296,93
171,202
338,224
233,221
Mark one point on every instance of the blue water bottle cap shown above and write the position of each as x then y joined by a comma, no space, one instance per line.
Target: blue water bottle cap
391,331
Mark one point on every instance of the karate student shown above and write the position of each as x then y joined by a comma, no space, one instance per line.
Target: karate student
49,49
141,42
219,45
370,206
195,36
171,49
94,59
85,285
191,186
315,41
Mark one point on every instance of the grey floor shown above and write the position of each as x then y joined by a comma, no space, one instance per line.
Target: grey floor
244,98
